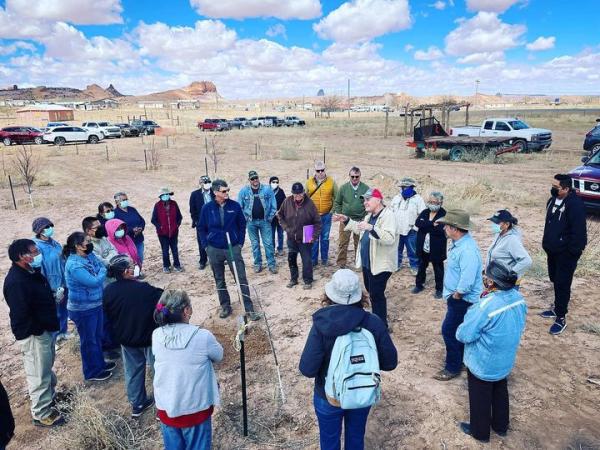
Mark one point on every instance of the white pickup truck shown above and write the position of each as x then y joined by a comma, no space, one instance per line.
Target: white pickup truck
527,138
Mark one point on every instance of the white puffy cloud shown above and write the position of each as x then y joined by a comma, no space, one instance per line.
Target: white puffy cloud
497,6
235,9
207,38
361,20
277,30
408,47
362,57
482,58
80,12
484,32
439,5
9,49
541,43
13,26
431,54
268,56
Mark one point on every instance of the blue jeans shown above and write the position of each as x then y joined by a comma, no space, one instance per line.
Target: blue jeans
139,246
275,227
134,365
89,326
410,241
330,420
63,316
454,349
257,230
192,438
322,241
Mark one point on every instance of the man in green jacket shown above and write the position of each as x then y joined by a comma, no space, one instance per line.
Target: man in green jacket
349,203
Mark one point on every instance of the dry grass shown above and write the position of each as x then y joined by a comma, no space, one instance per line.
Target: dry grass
593,328
93,429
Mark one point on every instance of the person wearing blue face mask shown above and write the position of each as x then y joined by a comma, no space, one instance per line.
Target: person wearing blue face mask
134,221
33,322
407,206
106,211
53,268
166,217
507,246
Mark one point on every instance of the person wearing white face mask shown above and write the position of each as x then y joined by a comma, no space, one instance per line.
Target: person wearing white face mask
275,226
507,247
53,268
33,321
198,199
166,217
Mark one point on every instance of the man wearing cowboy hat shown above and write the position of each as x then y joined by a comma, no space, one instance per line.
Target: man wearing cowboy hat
198,199
463,285
407,206
166,217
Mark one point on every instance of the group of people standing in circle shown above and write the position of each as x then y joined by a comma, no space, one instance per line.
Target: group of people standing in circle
95,279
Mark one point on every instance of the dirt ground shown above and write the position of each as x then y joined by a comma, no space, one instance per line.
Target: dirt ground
553,406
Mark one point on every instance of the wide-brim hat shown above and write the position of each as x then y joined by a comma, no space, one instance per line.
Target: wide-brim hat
344,288
165,190
407,181
457,218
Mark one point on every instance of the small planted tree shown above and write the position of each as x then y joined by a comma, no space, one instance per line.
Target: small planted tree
330,103
26,166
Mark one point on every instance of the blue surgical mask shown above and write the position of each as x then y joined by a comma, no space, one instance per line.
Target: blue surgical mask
124,204
37,261
119,233
165,197
495,228
109,215
48,232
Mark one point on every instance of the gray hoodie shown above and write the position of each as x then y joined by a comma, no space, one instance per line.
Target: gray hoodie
184,378
508,250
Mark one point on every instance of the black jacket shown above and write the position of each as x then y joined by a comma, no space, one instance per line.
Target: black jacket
7,422
337,320
31,303
129,306
196,204
279,198
565,229
437,238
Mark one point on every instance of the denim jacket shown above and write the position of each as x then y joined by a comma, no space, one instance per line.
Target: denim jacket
463,270
266,196
491,333
53,263
85,278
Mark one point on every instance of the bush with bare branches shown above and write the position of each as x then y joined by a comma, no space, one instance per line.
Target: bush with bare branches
26,165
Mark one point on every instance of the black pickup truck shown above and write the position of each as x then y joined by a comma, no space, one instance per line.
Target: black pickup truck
144,127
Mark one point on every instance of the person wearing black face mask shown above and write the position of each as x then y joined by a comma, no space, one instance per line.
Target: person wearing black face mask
565,238
103,249
85,275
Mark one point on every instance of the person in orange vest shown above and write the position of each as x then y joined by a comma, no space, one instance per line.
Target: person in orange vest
322,190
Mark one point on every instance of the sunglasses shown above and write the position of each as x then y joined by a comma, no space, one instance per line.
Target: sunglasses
226,191
253,178
319,170
354,176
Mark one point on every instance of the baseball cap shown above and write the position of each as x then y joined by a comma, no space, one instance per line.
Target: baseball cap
297,188
372,193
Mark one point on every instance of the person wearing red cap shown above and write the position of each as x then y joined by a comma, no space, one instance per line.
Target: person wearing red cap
377,255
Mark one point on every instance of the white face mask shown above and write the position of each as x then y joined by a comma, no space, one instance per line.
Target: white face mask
206,186
274,186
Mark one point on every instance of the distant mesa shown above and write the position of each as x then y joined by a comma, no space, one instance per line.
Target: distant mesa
321,93
113,91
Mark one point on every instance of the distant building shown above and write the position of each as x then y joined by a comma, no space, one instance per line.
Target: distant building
45,113
151,105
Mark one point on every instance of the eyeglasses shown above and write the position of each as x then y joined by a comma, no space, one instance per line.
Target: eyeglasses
223,191
253,178
319,170
354,176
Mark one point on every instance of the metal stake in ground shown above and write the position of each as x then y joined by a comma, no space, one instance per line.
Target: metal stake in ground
235,271
12,192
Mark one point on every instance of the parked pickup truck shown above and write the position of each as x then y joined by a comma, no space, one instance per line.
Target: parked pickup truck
145,127
214,125
586,181
104,128
293,121
525,137
260,122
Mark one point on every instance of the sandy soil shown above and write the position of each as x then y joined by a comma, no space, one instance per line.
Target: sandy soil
552,404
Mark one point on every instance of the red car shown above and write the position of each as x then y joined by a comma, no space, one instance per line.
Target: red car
214,125
21,135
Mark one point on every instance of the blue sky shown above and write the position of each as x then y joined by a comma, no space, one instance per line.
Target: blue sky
269,48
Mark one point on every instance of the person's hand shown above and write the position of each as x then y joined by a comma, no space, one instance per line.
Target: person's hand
365,226
339,217
456,296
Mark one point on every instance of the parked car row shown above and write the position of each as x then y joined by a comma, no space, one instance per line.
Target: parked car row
60,133
253,122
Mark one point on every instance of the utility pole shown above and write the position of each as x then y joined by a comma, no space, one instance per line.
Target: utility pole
476,90
348,97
